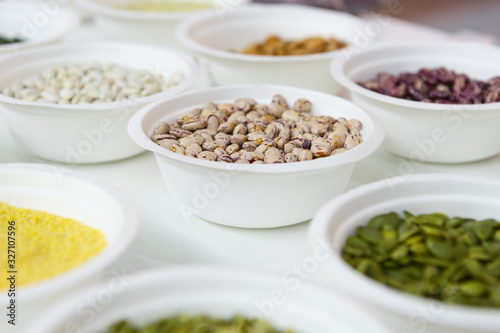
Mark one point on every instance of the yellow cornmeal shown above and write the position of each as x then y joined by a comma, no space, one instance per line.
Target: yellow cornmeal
46,244
169,6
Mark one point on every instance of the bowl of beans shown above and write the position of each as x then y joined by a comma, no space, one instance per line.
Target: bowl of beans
438,102
275,44
420,242
60,229
210,299
26,24
149,20
255,156
71,103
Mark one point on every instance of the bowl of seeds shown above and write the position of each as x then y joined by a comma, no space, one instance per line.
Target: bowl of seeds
255,156
439,102
149,21
210,299
60,230
275,44
419,242
71,102
27,24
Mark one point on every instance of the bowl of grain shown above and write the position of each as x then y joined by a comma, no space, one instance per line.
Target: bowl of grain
149,21
71,102
274,44
61,229
188,299
28,24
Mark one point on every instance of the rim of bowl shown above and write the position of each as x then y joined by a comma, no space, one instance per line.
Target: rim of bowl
183,36
337,71
190,77
366,148
72,18
65,308
95,264
378,294
124,14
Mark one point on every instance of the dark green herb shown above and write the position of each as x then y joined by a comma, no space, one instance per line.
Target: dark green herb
455,260
198,324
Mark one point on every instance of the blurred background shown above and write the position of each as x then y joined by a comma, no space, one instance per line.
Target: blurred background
476,17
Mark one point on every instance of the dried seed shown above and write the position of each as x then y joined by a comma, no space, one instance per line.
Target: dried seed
455,260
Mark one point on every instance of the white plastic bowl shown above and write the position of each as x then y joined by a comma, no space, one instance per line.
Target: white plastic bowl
215,291
36,23
84,133
254,196
66,193
455,195
424,131
217,40
142,26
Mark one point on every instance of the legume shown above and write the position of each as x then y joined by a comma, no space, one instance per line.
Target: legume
184,323
275,46
438,85
245,131
91,82
455,260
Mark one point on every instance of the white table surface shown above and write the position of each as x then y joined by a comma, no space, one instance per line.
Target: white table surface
165,237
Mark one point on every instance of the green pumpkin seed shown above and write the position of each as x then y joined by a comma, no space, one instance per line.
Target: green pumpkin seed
456,260
435,219
391,219
406,231
454,223
198,324
418,249
473,288
400,253
484,229
440,249
433,231
495,295
372,236
479,253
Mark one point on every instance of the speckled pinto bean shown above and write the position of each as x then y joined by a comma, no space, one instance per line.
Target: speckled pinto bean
248,132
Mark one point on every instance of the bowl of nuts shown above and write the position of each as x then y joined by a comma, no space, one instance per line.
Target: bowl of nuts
274,44
255,156
71,103
438,102
421,242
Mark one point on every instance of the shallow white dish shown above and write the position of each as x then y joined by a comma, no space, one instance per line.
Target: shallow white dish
215,291
254,196
67,193
144,26
424,131
455,195
84,133
36,23
217,40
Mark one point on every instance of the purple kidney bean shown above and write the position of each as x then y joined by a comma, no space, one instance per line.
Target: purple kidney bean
435,85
